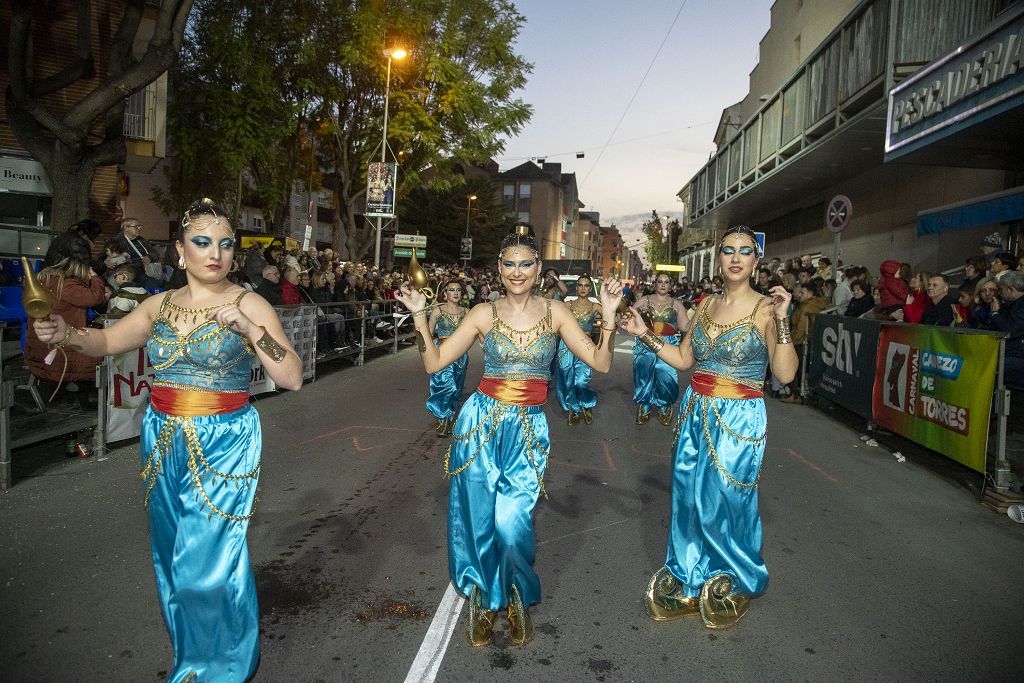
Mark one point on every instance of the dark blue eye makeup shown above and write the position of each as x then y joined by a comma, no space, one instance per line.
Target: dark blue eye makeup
227,243
746,251
522,264
728,251
201,241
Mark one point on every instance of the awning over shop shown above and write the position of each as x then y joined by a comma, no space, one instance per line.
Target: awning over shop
994,208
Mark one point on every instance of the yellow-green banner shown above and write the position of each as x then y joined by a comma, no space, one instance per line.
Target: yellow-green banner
934,386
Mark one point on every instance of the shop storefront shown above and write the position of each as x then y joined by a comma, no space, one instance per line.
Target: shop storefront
25,202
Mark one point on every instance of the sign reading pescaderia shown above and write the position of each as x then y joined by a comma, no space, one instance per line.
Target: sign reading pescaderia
978,80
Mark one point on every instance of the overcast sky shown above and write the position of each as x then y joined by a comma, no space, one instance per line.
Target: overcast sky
589,56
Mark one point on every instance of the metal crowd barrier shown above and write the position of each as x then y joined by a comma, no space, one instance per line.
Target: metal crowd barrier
347,330
839,364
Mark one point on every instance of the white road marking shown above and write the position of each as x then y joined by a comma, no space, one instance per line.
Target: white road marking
586,531
428,660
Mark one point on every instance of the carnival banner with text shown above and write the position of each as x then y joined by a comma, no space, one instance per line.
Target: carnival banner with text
934,386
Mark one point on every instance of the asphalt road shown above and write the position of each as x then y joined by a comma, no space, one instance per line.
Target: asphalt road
879,569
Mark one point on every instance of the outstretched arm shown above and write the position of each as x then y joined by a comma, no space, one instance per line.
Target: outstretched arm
436,358
130,332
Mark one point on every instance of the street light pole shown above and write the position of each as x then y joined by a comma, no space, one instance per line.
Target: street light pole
469,207
391,53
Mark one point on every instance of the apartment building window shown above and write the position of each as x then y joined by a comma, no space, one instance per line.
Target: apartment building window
523,203
524,217
140,114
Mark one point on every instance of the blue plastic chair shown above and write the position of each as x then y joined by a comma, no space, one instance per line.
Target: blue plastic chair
11,310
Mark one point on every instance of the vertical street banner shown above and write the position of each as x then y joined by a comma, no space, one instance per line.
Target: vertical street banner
841,361
934,386
466,248
381,181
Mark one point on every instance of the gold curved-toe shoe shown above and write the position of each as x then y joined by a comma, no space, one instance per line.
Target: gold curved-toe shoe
442,427
642,416
720,607
588,417
481,621
665,602
574,418
666,417
520,625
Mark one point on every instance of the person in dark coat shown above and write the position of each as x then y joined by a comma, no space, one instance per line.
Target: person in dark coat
941,309
1008,316
270,288
75,242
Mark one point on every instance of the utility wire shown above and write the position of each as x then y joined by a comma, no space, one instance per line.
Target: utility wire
635,93
612,144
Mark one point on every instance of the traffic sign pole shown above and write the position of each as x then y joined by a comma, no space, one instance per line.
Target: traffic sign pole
837,216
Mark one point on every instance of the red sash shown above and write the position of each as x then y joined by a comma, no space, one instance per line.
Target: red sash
184,403
718,387
663,329
519,392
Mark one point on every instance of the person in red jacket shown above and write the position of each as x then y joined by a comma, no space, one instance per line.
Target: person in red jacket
290,286
892,290
918,299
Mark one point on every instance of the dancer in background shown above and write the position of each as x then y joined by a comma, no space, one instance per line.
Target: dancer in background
200,443
500,447
655,382
713,564
446,385
572,376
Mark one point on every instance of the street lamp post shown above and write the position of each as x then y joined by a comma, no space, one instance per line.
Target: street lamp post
390,53
469,207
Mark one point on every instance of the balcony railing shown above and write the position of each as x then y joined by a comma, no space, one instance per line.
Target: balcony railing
847,74
140,114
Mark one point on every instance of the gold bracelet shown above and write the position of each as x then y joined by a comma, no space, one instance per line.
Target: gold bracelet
783,335
63,342
653,341
271,347
421,311
607,329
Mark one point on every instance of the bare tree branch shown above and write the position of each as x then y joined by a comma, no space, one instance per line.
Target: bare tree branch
81,67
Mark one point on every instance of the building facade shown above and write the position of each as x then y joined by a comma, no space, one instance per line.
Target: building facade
548,200
814,125
26,192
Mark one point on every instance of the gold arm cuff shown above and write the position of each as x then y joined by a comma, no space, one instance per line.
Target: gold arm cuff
653,341
783,334
271,347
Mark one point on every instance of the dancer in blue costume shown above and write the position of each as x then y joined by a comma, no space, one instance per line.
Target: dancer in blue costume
446,385
713,565
572,376
655,382
201,442
500,448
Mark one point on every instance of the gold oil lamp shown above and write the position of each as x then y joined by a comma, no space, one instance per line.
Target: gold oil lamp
418,277
37,300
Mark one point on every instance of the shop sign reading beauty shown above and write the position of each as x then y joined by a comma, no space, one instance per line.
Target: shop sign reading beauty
23,176
978,80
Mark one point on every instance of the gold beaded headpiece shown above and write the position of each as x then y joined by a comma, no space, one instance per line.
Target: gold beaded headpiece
742,230
204,207
521,236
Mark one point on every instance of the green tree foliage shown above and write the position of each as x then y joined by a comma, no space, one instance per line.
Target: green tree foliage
453,96
657,247
233,114
441,213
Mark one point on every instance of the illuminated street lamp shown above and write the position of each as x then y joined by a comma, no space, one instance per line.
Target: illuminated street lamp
392,53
